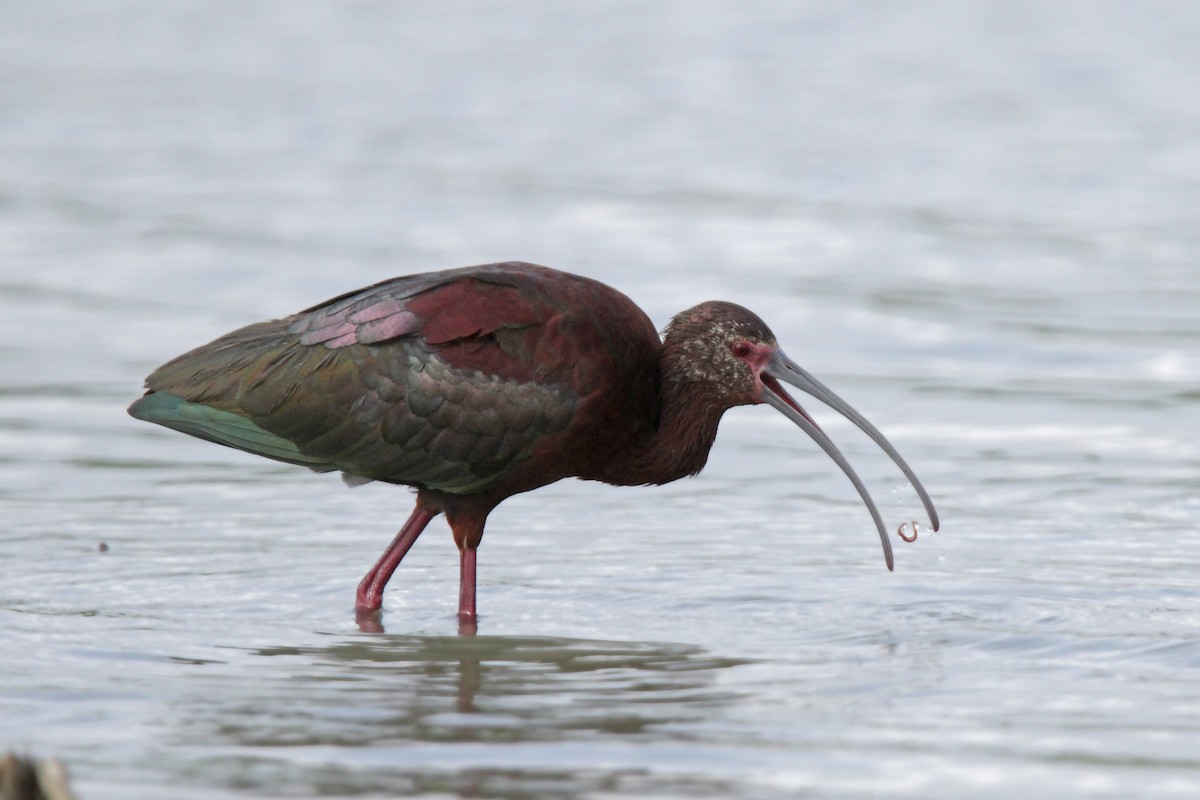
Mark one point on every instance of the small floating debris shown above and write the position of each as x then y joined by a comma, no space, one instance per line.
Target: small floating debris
24,778
103,548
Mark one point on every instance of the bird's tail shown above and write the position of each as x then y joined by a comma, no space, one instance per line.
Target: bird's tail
222,427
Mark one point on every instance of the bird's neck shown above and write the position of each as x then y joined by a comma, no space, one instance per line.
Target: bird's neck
678,446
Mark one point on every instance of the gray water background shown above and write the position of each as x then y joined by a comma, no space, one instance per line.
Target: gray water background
978,222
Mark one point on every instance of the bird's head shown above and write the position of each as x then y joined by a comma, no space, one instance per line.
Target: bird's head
716,348
728,354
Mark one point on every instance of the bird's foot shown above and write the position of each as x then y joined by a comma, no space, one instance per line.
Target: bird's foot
370,620
368,597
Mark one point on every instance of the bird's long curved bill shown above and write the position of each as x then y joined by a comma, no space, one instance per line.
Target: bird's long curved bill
782,368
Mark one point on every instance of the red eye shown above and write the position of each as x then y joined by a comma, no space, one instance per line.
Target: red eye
741,348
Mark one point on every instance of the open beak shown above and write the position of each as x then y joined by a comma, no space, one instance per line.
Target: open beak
781,368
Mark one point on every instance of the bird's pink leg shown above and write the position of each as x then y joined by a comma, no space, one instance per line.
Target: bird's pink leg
370,588
467,620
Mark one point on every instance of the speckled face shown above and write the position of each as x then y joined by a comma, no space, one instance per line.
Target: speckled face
719,345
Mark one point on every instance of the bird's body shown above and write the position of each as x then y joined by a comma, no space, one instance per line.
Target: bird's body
472,385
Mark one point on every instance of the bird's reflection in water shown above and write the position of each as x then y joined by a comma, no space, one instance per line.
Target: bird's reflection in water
513,678
360,713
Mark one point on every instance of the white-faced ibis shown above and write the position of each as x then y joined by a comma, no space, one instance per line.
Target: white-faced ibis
476,384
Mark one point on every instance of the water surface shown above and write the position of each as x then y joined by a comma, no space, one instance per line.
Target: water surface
975,222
